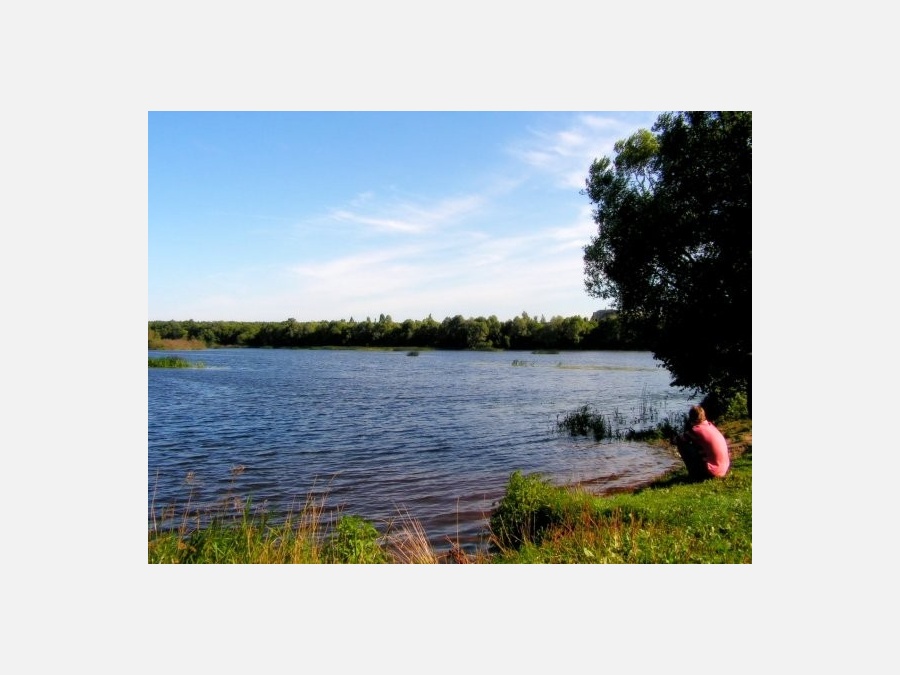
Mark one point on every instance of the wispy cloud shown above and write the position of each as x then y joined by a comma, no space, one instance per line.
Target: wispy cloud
383,224
503,240
469,273
566,153
409,217
537,271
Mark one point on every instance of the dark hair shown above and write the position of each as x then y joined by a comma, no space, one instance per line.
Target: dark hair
696,414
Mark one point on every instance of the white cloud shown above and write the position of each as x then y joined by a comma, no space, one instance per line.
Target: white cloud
451,272
505,247
566,154
384,224
408,217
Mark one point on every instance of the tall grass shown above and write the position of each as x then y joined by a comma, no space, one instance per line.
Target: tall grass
236,533
408,543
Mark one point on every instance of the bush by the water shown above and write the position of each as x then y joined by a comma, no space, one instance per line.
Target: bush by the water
529,507
354,541
723,407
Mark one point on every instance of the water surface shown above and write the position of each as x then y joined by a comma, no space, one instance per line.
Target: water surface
381,433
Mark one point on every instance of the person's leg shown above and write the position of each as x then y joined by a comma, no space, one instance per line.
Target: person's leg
693,459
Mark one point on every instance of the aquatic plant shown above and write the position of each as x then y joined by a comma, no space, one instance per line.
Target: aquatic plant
666,430
172,362
585,420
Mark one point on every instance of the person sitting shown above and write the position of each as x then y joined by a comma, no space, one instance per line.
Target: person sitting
703,447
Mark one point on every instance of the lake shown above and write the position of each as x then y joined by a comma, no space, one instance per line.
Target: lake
382,434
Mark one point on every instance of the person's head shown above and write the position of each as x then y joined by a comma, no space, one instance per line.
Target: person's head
696,415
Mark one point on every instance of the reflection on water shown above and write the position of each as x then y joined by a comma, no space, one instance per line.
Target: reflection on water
377,433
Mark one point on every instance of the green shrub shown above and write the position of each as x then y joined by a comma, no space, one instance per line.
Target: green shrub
528,508
354,541
725,406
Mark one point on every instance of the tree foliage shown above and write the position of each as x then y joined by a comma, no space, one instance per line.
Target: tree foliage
457,332
673,246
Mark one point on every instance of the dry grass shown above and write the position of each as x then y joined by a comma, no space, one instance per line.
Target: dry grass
409,544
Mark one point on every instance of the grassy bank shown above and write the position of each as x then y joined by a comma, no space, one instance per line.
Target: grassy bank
672,520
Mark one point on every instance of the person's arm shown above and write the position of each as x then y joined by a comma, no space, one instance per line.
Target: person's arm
684,437
691,436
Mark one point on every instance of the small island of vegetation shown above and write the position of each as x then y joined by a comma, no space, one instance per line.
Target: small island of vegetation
172,362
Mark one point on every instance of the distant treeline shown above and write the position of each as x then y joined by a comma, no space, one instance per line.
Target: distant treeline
522,332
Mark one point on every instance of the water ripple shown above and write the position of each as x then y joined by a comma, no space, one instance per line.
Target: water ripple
374,434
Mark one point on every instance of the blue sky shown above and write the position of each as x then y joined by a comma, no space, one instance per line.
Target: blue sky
332,215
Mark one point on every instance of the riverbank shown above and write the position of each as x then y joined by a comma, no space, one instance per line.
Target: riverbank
670,520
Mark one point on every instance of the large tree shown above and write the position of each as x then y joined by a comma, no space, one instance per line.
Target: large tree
673,245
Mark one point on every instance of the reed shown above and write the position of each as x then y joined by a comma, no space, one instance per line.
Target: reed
667,429
619,426
172,362
234,532
408,543
585,420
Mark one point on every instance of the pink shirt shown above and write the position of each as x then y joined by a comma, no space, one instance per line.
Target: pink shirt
714,446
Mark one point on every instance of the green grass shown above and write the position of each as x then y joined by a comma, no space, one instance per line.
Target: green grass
673,520
172,362
235,533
